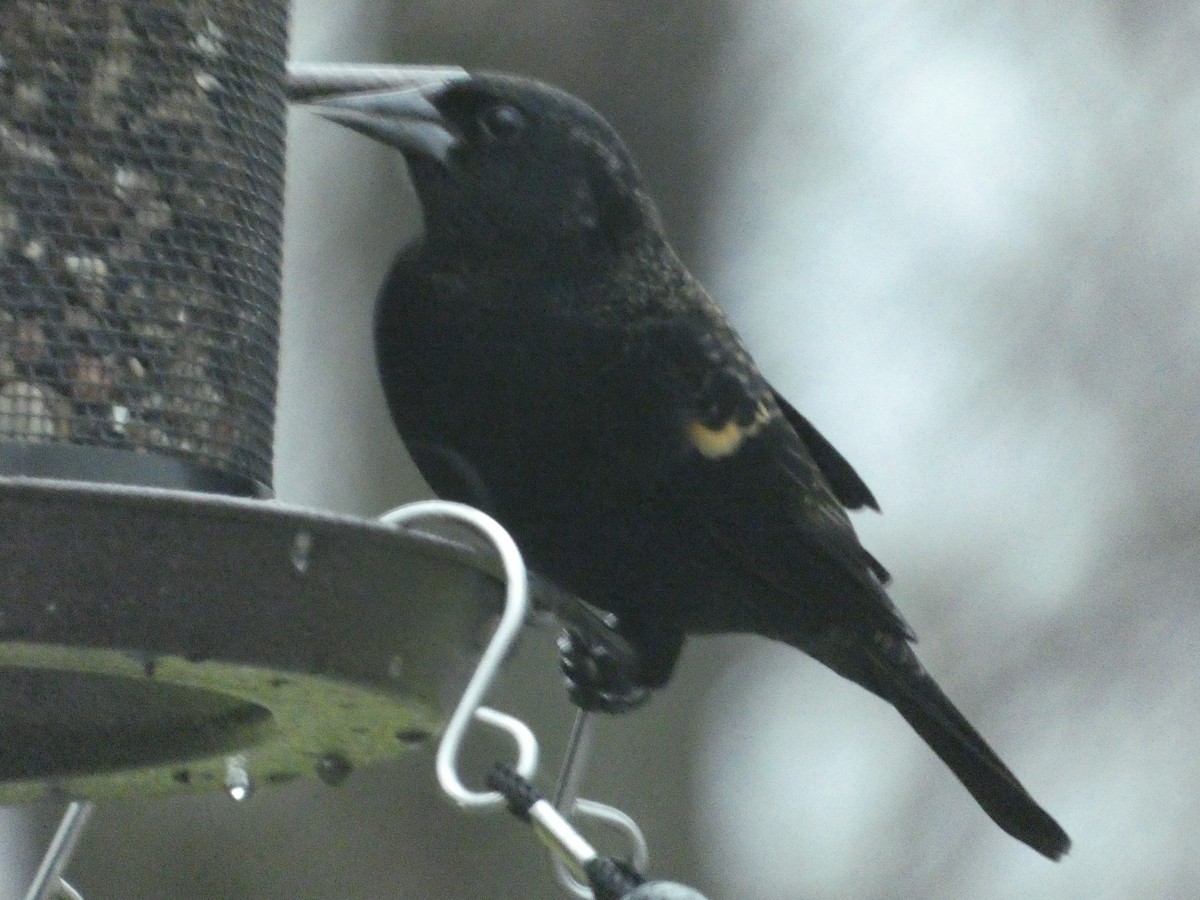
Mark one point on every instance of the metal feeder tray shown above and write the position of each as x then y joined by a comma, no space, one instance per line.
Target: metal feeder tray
158,641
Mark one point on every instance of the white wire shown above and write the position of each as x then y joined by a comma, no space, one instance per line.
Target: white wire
622,824
516,604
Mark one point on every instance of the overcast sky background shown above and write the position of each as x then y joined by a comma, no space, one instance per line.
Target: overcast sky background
962,238
980,278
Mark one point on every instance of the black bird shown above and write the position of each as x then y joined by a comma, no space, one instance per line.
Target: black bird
546,354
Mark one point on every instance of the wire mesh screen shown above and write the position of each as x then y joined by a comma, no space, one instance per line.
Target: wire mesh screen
141,171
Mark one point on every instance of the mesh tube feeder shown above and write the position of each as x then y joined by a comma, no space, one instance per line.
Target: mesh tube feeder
141,173
162,627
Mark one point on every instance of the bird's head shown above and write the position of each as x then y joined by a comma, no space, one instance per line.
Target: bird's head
505,165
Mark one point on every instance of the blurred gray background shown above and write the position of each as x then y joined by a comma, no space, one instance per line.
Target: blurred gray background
963,239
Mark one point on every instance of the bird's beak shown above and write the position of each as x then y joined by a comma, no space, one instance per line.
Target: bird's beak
392,104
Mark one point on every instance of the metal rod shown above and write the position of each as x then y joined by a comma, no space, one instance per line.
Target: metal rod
47,880
566,794
574,762
309,82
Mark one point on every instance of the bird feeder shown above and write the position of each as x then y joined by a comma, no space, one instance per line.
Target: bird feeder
161,629
141,147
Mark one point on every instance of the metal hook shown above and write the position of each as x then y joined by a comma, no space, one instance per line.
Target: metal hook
567,802
516,604
515,608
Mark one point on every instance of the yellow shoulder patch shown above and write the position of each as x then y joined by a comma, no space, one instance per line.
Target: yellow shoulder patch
725,439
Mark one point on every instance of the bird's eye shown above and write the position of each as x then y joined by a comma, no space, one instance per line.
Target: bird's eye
501,121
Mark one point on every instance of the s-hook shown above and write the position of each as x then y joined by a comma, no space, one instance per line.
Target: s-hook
516,604
469,706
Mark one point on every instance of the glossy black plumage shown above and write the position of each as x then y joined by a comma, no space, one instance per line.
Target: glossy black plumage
547,356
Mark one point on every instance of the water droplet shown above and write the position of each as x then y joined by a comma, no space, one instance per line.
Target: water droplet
237,778
302,545
333,768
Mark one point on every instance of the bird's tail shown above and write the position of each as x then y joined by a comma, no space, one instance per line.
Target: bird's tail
890,669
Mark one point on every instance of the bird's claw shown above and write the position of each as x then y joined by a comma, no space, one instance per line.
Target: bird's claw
597,680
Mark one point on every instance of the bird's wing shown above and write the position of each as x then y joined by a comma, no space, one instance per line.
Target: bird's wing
773,492
846,484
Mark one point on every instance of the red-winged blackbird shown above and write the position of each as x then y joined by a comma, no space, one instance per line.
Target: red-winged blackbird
546,355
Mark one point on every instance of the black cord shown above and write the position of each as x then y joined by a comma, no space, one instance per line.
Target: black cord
611,879
518,792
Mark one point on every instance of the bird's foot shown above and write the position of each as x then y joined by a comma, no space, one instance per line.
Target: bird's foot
598,680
